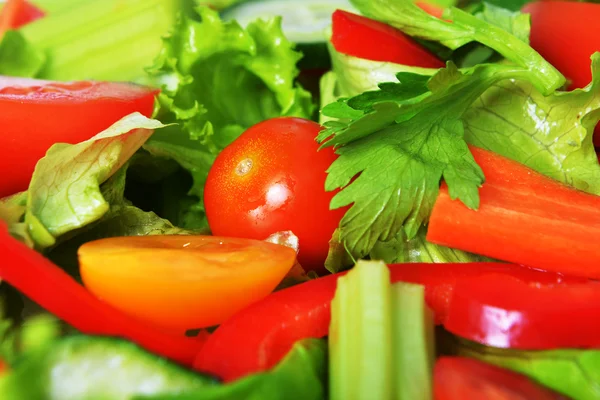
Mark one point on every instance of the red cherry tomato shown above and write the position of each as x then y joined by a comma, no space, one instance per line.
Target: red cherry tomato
36,114
457,378
270,179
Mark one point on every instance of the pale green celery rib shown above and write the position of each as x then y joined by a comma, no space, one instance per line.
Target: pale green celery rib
413,333
108,39
361,335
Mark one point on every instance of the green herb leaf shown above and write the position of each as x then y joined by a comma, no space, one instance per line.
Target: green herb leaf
466,28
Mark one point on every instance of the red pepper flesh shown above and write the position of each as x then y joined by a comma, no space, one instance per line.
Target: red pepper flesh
363,37
258,337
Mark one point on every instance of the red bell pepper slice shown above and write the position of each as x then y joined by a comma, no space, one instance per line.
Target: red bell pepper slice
458,378
363,37
525,218
501,311
256,338
17,13
54,290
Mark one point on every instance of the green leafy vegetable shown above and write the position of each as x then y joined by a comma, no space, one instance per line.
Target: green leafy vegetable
301,375
575,373
394,154
553,135
465,28
419,250
18,57
219,79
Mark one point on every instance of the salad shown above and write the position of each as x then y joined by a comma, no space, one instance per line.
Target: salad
299,199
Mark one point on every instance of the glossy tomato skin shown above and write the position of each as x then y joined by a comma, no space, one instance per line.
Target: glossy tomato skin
36,114
458,378
270,179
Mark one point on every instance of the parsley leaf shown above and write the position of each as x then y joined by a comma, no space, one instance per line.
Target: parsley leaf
393,156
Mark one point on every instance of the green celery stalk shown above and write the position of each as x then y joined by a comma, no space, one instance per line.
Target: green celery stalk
104,40
413,333
360,335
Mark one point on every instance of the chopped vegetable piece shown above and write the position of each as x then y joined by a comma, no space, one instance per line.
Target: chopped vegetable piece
524,218
361,344
179,282
57,292
459,378
257,337
413,342
363,37
574,373
501,311
272,179
16,13
82,367
301,374
37,114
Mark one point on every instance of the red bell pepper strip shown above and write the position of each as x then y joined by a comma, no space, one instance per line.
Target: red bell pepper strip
503,312
256,338
431,9
54,290
459,378
363,37
17,13
525,218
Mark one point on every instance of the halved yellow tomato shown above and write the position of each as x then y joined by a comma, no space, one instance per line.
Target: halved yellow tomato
182,282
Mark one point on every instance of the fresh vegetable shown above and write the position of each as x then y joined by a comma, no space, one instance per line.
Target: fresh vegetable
303,22
362,336
458,378
82,185
179,282
82,367
269,327
363,37
38,114
562,224
301,375
219,80
272,179
571,372
414,342
108,40
500,311
57,292
556,26
380,337
16,13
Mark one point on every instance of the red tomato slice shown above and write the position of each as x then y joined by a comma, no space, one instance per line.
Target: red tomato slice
500,311
256,338
17,13
458,378
272,179
373,40
36,114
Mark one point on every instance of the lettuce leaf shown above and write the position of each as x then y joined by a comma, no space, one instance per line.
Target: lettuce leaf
218,80
465,28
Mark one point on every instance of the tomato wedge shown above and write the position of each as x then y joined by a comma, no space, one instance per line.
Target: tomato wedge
458,378
17,13
256,338
37,114
524,217
501,311
182,282
363,37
